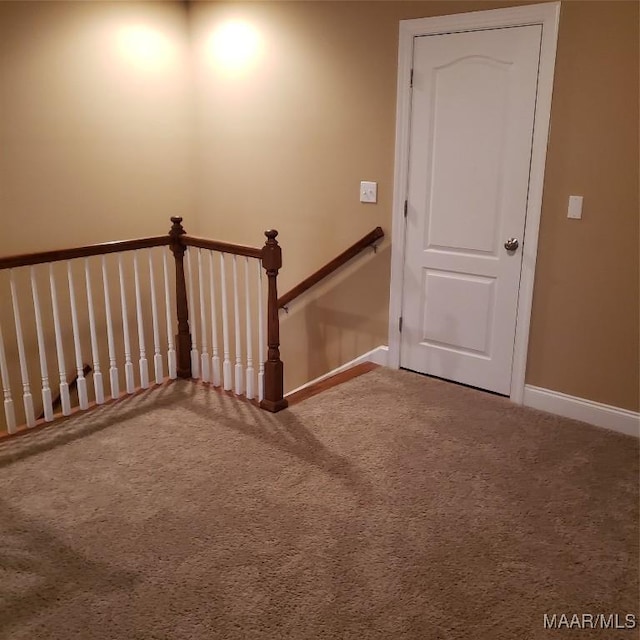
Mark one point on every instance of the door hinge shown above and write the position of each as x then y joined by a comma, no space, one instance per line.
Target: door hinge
400,324
406,208
411,79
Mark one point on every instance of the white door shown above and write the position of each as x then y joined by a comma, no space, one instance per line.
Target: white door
472,114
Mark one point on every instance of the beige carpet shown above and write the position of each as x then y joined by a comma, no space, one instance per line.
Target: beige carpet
394,506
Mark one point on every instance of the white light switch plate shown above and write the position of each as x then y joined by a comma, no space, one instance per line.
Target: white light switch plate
368,191
575,207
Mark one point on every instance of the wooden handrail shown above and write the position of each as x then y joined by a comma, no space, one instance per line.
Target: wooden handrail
223,247
29,259
57,255
330,267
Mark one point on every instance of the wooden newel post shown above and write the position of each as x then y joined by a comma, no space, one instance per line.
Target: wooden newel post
183,338
273,368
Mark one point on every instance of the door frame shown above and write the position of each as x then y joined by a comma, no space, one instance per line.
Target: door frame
547,15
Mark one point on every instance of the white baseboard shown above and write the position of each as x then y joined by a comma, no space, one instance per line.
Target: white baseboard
602,415
379,355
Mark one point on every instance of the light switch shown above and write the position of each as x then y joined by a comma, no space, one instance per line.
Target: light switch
368,191
575,207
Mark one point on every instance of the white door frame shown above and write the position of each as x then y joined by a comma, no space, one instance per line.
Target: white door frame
547,15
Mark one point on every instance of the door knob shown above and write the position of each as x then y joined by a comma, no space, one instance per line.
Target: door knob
511,244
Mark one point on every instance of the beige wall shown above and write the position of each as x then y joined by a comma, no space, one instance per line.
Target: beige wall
94,132
584,329
286,144
93,148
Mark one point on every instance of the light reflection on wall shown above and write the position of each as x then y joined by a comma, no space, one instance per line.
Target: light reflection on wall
235,46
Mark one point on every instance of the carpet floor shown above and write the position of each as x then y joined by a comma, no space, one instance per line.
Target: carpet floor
394,506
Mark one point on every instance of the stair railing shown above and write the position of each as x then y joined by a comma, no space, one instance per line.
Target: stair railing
104,299
368,240
211,308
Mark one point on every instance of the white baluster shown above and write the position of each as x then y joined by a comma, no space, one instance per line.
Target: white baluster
113,369
236,316
65,401
249,393
204,356
27,398
47,403
9,411
81,383
157,356
215,358
226,362
97,372
128,365
172,364
261,352
144,368
193,325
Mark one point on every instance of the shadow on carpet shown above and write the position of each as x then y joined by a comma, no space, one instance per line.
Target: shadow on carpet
393,506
